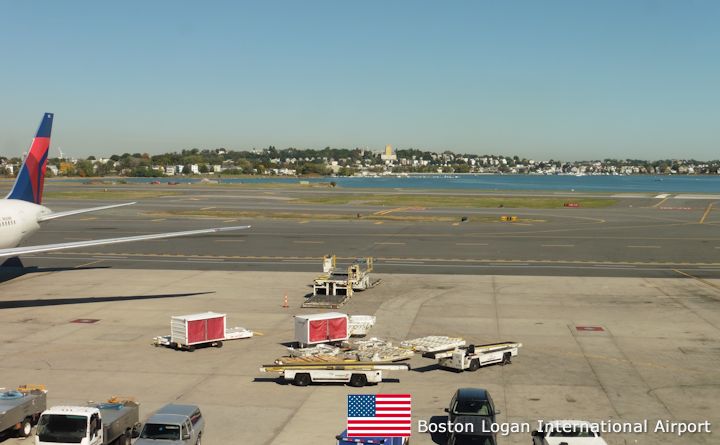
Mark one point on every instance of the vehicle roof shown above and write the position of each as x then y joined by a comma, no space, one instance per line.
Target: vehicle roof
181,410
77,410
567,422
172,419
366,440
472,394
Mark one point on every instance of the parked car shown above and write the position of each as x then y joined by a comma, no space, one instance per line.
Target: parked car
568,432
179,424
472,402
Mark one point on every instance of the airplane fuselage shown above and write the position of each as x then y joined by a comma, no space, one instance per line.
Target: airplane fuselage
18,220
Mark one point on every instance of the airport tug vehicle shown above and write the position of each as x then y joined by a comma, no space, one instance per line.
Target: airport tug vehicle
20,409
472,357
453,353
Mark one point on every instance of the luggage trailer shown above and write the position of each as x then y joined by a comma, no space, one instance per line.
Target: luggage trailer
355,374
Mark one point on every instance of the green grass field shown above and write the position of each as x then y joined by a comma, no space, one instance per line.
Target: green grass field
109,195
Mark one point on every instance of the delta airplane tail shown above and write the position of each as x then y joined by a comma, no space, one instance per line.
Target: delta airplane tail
22,211
31,178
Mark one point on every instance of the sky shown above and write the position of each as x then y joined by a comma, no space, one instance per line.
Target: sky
547,79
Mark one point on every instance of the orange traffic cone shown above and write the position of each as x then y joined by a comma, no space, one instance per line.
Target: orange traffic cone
285,302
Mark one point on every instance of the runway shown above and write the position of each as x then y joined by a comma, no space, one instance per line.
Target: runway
639,236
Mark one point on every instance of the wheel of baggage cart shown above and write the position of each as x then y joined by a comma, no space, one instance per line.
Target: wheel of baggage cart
474,365
25,428
358,380
302,379
507,358
218,344
191,348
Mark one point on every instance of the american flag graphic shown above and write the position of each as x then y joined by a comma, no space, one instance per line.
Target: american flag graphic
379,415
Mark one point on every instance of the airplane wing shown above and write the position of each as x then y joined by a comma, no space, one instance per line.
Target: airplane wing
14,251
55,215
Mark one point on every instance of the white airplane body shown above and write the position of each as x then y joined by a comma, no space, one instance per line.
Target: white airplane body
21,212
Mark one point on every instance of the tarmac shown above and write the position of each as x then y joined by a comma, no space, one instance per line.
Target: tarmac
603,348
641,236
617,308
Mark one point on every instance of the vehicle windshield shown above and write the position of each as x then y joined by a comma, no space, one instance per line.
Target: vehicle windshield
473,440
568,431
160,431
65,428
473,408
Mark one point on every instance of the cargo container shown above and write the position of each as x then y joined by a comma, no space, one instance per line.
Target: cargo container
321,328
188,331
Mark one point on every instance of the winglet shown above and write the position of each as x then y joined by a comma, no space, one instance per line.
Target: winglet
31,178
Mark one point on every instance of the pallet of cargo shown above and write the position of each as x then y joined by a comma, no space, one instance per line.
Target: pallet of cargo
433,343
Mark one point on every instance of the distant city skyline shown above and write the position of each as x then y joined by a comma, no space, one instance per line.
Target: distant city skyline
554,79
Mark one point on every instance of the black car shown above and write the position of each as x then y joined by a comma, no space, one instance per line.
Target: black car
472,402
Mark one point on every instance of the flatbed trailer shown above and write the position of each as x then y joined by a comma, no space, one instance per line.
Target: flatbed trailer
472,357
355,374
20,409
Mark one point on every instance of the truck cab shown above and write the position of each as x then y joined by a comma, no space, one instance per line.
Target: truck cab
173,424
69,424
100,424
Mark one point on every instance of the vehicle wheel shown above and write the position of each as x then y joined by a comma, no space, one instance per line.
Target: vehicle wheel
25,428
199,439
474,365
218,344
174,346
302,379
191,348
507,358
358,380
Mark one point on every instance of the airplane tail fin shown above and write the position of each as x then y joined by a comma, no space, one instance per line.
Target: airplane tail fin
31,178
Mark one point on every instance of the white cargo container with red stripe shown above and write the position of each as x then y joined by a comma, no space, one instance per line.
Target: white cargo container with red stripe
194,329
321,328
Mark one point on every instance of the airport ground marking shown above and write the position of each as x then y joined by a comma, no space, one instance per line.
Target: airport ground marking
308,242
661,202
713,285
158,219
707,212
88,264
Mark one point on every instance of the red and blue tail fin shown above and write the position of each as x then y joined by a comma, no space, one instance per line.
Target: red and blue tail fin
29,183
